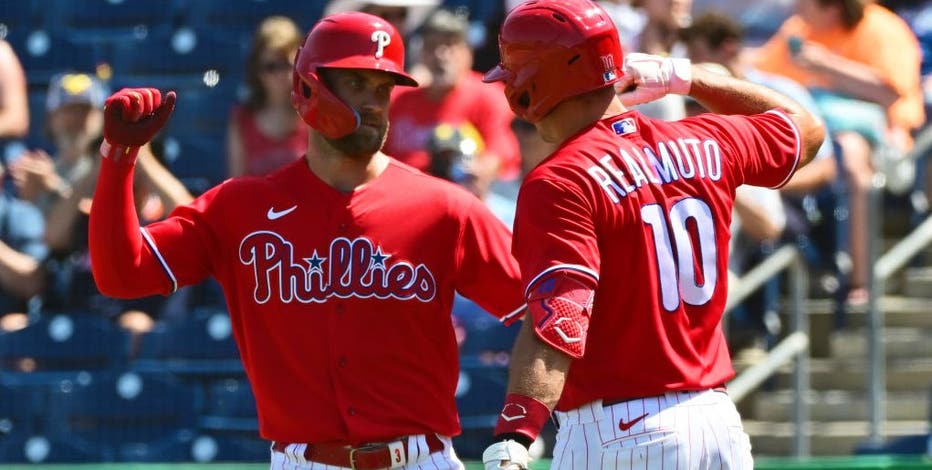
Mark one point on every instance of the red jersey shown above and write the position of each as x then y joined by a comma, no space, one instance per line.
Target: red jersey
341,302
643,207
263,153
414,114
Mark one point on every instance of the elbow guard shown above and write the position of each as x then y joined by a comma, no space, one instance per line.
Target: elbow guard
560,305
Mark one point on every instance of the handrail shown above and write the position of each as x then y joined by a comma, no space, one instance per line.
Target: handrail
796,345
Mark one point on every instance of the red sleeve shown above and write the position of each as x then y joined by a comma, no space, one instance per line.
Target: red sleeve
767,145
554,230
123,265
487,272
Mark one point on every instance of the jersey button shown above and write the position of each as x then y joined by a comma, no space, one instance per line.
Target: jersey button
342,227
342,362
351,411
340,308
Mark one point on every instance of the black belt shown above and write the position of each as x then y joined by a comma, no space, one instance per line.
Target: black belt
367,457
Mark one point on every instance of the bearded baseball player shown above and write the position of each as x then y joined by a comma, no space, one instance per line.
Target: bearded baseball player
339,270
622,238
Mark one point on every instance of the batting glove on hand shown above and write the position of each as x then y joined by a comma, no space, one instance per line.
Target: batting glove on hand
132,116
506,455
653,77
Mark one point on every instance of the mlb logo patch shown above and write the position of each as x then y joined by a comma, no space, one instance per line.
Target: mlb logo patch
625,126
608,76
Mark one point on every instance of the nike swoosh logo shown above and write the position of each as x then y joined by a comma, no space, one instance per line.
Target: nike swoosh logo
626,426
273,214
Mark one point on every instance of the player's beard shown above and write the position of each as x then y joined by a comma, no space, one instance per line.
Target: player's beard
365,141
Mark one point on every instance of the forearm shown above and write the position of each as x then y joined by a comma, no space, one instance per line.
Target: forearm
114,239
756,222
727,95
537,370
164,184
60,224
811,177
20,274
856,80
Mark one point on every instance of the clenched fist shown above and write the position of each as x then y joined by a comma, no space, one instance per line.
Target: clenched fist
132,116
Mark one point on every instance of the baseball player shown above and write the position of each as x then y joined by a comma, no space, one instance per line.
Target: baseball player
339,270
625,269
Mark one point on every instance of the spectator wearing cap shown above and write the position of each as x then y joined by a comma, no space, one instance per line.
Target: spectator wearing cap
455,95
74,119
454,151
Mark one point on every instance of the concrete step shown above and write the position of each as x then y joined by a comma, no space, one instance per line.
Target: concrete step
851,374
917,282
769,438
899,311
899,342
838,405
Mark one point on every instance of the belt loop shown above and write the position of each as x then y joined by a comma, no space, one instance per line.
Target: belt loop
352,457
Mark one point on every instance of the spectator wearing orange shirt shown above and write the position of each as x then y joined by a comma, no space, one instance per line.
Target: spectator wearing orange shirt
861,62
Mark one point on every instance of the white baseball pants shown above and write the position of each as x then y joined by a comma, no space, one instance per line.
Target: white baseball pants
673,431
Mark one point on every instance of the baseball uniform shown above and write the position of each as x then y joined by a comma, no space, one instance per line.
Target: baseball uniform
642,207
340,302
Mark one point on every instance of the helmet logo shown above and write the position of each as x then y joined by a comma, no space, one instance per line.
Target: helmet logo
382,39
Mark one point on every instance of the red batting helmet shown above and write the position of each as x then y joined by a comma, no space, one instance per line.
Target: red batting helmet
350,40
552,50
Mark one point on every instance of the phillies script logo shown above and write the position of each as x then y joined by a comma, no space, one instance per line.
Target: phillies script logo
352,268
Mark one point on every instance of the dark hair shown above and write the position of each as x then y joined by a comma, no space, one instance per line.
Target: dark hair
715,28
278,34
447,22
852,11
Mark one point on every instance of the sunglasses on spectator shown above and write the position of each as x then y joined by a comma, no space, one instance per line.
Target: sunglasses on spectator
273,67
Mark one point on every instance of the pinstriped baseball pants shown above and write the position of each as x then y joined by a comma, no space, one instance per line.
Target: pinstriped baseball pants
673,431
418,457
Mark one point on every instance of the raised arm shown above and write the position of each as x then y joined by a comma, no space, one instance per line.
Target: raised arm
121,265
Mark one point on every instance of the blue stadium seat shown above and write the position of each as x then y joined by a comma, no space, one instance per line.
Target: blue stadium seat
479,395
40,448
485,334
198,161
202,111
212,447
44,53
20,16
230,407
183,59
200,345
247,15
95,21
132,416
64,342
19,406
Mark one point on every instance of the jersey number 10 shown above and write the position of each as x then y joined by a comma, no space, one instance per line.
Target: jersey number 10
677,270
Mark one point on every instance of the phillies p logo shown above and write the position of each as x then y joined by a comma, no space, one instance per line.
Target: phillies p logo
381,39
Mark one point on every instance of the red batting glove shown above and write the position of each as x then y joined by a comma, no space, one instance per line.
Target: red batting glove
132,116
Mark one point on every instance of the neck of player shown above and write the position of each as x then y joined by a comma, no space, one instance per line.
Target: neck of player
576,113
344,173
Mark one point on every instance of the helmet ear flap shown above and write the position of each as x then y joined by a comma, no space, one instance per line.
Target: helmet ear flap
321,109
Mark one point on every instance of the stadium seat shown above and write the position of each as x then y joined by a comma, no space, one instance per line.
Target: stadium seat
182,59
19,406
39,448
64,342
210,447
201,345
95,21
19,16
44,53
198,161
230,407
485,334
479,395
247,15
202,111
131,416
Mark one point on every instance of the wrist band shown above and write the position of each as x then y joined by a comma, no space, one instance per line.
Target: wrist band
118,153
522,415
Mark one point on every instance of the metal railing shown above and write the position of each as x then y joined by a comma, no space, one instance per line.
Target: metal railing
794,346
883,267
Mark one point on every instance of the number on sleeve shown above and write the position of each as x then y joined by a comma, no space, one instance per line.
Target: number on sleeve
678,280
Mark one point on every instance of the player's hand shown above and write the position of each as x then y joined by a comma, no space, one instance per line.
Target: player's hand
506,455
651,77
132,116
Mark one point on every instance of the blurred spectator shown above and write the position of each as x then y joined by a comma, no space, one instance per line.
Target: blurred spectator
264,132
861,62
454,153
14,106
71,286
454,96
405,15
760,217
74,119
22,250
628,19
660,36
